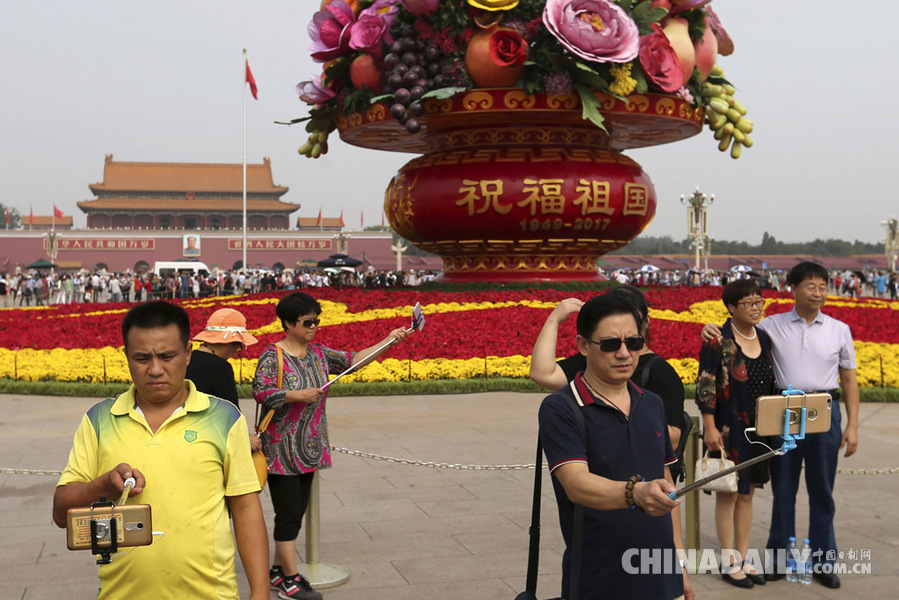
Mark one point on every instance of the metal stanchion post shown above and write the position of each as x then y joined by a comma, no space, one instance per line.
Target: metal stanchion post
320,575
691,502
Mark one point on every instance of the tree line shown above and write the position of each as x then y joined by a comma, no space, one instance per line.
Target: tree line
651,245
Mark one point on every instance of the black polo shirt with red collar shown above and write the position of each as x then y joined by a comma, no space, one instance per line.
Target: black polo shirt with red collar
617,447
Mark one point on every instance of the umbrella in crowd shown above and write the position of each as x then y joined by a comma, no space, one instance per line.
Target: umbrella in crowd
648,269
339,260
41,264
741,269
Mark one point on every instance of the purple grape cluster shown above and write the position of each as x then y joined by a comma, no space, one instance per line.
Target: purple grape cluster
411,68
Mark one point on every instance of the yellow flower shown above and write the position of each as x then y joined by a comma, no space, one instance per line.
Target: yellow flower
623,84
494,4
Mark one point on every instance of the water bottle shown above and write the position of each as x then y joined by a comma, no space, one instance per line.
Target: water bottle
805,573
791,561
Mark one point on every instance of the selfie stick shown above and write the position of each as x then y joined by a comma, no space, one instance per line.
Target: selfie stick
418,323
789,444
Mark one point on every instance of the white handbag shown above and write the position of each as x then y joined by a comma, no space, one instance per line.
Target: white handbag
706,466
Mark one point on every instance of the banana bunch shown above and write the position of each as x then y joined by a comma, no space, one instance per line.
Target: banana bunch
725,115
316,145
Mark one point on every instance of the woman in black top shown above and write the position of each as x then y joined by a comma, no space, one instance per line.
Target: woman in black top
224,336
734,370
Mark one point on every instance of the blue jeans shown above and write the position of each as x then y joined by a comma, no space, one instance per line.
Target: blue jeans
819,451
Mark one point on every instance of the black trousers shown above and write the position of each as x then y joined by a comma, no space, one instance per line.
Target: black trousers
290,497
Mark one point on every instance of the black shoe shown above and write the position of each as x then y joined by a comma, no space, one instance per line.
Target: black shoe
774,576
756,578
746,582
827,580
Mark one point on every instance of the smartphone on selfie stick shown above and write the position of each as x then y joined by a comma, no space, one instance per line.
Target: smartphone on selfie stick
104,527
791,415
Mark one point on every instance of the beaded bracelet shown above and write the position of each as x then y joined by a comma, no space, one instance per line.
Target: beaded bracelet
629,493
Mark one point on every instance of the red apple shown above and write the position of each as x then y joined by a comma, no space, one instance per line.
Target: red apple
364,71
706,51
676,30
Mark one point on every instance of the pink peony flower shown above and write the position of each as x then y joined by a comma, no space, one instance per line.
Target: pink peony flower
595,30
369,32
660,62
686,5
314,91
330,31
385,8
420,8
725,44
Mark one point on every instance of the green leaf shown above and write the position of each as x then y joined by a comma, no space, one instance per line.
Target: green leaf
382,98
587,76
292,121
591,107
638,74
321,119
442,93
644,15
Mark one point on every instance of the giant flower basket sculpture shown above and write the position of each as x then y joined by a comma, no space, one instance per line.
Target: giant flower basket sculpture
520,110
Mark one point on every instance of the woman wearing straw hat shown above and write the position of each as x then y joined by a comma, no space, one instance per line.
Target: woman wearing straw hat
224,336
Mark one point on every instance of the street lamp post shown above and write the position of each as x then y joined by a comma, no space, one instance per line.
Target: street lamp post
697,223
891,247
51,241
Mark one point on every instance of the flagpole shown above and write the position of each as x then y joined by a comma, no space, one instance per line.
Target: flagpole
244,244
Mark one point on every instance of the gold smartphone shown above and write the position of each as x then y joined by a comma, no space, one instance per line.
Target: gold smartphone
134,526
769,413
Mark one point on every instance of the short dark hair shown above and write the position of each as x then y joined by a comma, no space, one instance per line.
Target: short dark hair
806,270
293,306
599,307
155,314
638,301
635,296
738,289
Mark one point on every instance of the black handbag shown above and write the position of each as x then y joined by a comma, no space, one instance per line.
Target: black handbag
577,528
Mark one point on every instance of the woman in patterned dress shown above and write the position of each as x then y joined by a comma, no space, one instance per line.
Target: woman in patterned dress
734,370
296,441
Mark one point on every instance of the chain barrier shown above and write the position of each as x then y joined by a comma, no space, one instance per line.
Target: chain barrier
433,465
436,465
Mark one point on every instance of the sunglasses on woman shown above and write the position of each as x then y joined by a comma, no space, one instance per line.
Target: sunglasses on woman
307,323
613,344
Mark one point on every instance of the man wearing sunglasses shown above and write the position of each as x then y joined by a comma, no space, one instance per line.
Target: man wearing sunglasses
620,476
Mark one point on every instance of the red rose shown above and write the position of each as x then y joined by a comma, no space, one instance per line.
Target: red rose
660,62
508,48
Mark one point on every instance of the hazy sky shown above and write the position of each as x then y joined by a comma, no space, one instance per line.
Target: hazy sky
163,81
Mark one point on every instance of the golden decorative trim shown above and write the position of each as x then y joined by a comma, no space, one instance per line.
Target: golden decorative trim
518,99
477,100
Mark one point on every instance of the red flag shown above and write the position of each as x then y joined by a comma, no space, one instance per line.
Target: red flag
57,213
32,216
341,218
318,223
251,81
362,220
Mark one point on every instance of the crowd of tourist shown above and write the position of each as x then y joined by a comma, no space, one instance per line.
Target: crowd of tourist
43,288
854,284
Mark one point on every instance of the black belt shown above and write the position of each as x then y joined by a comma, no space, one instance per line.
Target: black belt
834,393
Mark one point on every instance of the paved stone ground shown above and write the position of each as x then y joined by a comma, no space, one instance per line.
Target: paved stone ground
412,532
